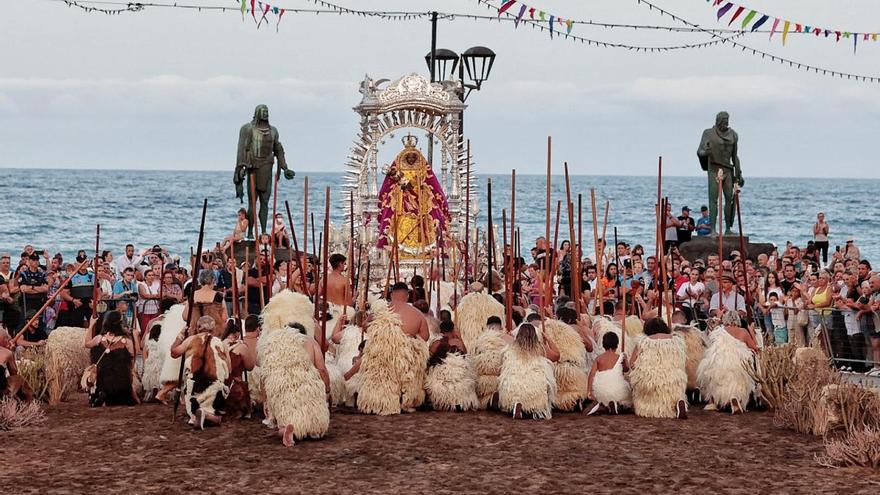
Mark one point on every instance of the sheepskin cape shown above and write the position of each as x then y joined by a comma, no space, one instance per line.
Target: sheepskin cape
659,379
393,366
695,347
152,367
486,357
471,315
527,380
343,391
288,307
172,325
206,365
66,360
611,386
452,383
722,374
293,388
570,371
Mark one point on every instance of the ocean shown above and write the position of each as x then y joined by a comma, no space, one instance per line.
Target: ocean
57,210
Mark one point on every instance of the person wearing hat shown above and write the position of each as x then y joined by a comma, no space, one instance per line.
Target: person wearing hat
727,298
34,286
704,223
686,227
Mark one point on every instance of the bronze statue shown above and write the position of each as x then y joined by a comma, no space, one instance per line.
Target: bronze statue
258,147
718,156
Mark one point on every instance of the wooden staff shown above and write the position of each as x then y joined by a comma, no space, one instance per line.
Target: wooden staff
720,178
260,279
742,258
490,246
273,239
605,228
658,244
438,280
513,257
49,301
552,257
351,238
247,273
467,217
600,293
508,317
580,249
194,285
324,261
305,216
299,254
575,259
236,311
442,253
661,286
622,288
95,285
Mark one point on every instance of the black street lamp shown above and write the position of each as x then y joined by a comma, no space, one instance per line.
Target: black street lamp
476,61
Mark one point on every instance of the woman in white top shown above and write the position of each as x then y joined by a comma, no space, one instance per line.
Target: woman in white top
691,294
820,236
148,299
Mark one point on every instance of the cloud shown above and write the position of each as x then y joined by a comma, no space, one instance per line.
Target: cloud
160,95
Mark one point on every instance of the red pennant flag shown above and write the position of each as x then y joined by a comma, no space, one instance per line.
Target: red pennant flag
253,12
506,6
531,12
265,11
736,14
279,20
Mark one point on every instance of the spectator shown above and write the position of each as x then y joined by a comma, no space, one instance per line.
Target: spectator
128,260
77,297
704,223
789,279
171,292
148,298
691,295
820,236
34,287
239,232
851,251
798,318
671,233
686,226
728,298
9,292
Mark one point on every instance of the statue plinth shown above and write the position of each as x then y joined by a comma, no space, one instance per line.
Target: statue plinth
249,248
702,246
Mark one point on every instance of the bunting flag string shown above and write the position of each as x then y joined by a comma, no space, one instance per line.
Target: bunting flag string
128,7
552,21
788,26
764,55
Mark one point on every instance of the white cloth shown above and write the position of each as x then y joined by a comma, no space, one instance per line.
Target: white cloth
124,262
731,300
611,386
696,292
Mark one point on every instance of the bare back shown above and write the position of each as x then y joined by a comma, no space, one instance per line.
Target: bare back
414,323
338,290
606,361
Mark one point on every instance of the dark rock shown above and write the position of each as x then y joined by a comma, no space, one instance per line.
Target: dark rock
701,247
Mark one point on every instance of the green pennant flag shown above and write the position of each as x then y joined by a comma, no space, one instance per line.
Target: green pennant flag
749,18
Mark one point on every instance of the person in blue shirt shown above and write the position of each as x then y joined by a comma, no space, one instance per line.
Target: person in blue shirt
704,223
77,297
126,289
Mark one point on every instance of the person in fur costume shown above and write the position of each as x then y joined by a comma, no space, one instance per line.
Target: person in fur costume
152,361
570,371
13,385
486,357
206,368
658,376
393,366
172,324
414,326
241,360
451,381
695,347
722,375
295,381
526,386
607,385
472,313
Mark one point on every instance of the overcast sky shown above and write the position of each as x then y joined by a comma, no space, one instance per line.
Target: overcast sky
169,88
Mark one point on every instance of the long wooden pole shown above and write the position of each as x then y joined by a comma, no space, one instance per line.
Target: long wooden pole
194,285
580,276
247,272
49,301
274,241
305,216
467,218
508,317
351,265
742,258
575,258
600,293
720,179
235,309
490,245
324,261
552,258
300,258
95,283
512,268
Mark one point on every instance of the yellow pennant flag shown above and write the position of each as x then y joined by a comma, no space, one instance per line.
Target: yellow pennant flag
785,31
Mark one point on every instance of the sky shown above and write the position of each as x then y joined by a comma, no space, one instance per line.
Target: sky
169,88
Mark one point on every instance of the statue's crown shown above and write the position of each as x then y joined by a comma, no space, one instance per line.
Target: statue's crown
410,141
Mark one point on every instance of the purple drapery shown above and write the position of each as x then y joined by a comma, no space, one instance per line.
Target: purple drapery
439,207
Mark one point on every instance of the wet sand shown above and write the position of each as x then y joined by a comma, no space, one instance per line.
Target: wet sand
139,450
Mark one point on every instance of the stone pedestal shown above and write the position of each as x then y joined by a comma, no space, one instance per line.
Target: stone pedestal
249,247
701,247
